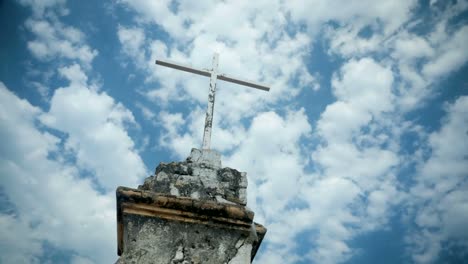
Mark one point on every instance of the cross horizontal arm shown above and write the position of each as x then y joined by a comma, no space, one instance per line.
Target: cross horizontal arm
183,68
227,78
207,73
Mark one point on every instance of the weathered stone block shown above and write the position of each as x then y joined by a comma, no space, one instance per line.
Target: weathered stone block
155,228
156,240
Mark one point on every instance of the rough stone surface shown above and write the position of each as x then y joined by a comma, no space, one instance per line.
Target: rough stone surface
202,177
154,240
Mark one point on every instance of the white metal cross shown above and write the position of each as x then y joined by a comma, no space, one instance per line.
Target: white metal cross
214,75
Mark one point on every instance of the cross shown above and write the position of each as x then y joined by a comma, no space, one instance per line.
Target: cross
214,75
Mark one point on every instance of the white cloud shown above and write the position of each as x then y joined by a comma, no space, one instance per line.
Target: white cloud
392,14
350,18
133,40
80,260
95,126
19,244
240,41
420,60
440,195
423,61
55,40
41,89
364,90
39,7
159,10
353,186
52,203
347,42
412,47
451,56
74,74
271,155
148,114
174,139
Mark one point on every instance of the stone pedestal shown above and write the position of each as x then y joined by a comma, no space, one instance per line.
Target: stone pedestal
188,212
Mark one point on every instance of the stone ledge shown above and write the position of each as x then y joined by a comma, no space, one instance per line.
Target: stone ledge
200,207
184,209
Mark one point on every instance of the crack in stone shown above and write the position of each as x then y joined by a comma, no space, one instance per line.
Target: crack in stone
236,251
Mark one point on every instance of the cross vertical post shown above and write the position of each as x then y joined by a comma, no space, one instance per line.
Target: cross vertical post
211,101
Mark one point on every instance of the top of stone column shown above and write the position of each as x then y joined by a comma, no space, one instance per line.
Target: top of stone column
200,176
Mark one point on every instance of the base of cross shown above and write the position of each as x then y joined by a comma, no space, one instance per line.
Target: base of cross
188,212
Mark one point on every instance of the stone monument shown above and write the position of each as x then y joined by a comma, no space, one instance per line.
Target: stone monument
188,212
192,211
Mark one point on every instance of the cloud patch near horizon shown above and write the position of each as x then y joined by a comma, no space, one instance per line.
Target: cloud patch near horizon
46,193
58,166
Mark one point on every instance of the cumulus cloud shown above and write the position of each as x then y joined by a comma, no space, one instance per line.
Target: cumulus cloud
320,183
439,197
410,47
382,20
361,169
39,7
55,40
364,90
271,156
96,128
250,44
60,167
450,57
19,244
51,201
424,60
392,14
175,138
274,163
388,70
132,40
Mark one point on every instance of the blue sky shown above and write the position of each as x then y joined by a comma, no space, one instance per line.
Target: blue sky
358,154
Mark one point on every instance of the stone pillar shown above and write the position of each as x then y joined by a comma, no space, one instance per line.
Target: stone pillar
188,212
